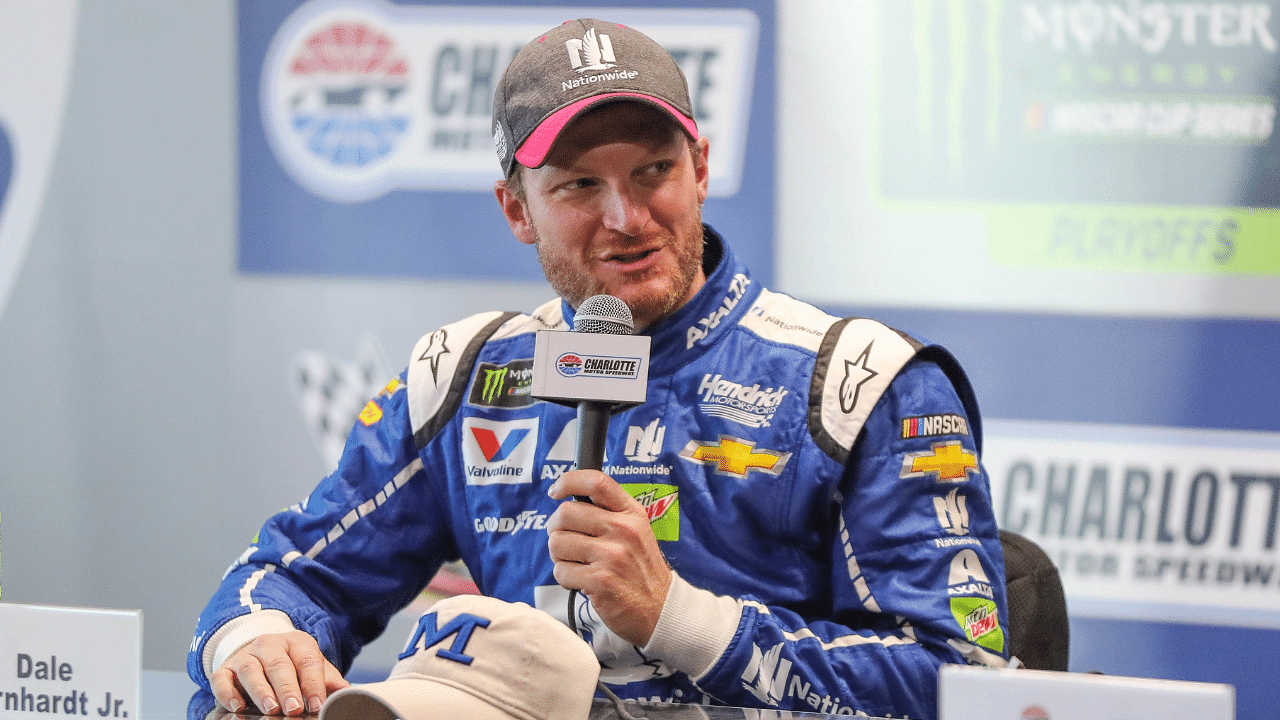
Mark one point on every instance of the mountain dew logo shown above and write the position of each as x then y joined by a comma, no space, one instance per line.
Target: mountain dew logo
662,503
980,621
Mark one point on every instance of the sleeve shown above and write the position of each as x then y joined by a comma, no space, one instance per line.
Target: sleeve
339,564
916,575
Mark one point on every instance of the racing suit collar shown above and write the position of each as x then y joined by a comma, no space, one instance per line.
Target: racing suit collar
718,305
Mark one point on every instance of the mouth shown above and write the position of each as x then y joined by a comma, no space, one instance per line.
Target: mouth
633,257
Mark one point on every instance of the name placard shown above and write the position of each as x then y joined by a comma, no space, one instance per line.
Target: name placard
69,661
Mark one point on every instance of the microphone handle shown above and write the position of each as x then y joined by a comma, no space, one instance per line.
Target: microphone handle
593,429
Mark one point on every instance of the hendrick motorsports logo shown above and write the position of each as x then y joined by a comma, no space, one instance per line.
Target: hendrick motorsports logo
579,365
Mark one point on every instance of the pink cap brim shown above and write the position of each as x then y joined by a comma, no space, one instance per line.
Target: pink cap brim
533,153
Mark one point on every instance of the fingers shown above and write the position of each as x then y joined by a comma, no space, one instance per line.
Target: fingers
280,674
595,485
608,551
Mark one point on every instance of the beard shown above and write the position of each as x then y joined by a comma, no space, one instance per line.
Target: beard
649,301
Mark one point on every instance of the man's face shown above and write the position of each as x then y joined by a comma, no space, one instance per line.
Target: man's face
617,210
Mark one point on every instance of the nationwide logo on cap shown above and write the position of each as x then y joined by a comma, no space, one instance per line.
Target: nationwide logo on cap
592,52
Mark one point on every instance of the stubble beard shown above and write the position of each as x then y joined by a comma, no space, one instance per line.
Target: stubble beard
575,286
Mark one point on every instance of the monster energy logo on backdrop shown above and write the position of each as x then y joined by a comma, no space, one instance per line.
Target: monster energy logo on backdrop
503,386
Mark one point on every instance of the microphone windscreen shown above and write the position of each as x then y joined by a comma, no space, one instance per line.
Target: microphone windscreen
603,314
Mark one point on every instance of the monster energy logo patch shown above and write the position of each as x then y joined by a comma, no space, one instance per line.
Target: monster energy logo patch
503,386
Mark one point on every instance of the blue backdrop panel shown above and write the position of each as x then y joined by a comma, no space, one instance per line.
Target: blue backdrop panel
287,229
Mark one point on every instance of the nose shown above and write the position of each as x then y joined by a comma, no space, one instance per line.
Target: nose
624,211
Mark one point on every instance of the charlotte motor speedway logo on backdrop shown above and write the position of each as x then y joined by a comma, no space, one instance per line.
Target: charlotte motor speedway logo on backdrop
361,97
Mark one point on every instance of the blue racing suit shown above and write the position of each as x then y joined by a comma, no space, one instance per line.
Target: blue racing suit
814,483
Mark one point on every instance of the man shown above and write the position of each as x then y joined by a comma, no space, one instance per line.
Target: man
795,518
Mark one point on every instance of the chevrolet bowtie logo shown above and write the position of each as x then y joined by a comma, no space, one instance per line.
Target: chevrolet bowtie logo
949,462
735,457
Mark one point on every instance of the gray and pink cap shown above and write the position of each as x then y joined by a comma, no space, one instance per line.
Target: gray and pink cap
571,69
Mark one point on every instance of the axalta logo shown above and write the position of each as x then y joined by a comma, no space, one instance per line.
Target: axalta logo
947,462
527,520
737,289
967,576
505,386
747,405
498,452
735,457
662,504
768,676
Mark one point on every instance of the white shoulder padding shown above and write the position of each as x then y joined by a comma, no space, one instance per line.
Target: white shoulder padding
860,358
783,319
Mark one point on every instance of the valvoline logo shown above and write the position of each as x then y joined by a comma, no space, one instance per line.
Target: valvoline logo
569,364
493,449
499,451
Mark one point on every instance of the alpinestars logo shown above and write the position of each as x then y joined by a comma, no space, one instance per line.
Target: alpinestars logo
592,52
496,452
856,373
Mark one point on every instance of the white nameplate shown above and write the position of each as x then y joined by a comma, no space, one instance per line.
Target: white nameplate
69,661
590,366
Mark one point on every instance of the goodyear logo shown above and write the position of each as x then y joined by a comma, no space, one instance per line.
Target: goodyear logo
735,457
947,462
503,386
662,504
933,425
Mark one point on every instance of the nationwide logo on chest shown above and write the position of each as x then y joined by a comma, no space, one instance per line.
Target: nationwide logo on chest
499,452
503,386
735,457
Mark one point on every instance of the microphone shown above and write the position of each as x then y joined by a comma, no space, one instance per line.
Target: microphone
604,314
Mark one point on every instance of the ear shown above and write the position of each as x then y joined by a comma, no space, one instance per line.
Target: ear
701,169
516,212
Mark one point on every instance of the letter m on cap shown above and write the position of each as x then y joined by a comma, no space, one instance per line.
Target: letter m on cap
427,635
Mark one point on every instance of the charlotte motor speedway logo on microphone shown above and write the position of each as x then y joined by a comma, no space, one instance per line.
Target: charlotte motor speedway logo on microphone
572,364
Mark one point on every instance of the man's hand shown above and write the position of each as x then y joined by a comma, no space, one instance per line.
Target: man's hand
276,672
607,551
